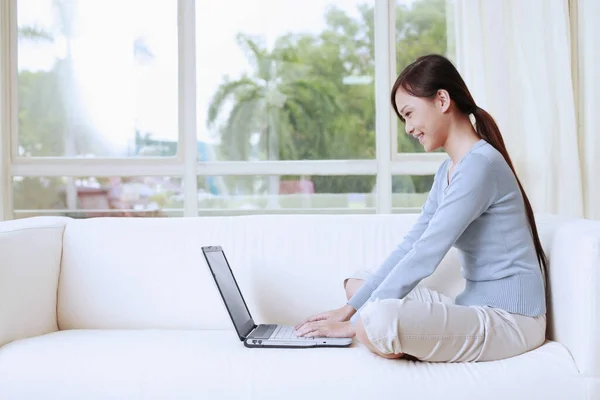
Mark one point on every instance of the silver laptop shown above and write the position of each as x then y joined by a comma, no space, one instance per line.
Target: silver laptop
264,335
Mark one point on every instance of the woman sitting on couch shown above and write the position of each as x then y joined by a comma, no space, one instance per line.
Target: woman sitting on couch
477,205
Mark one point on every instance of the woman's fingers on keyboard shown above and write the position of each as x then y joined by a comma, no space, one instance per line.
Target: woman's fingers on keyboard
312,318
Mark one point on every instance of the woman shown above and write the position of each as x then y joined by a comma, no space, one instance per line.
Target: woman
477,205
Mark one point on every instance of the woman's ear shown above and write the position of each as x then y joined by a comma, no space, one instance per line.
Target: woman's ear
443,100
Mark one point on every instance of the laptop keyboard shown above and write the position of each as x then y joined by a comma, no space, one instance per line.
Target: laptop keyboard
286,332
276,332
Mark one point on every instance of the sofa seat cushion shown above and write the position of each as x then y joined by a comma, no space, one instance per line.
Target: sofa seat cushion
204,364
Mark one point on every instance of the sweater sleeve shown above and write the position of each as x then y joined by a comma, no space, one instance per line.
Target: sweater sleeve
427,211
472,190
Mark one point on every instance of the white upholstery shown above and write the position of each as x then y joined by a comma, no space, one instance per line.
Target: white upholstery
152,364
150,273
575,293
29,266
140,316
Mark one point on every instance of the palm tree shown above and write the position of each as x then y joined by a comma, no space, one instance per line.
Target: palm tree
267,104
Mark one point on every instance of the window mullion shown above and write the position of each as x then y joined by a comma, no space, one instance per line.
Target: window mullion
8,101
188,142
384,17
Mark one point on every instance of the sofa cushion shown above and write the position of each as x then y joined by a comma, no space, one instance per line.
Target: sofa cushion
100,364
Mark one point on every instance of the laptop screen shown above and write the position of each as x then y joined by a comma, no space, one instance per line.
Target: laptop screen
232,296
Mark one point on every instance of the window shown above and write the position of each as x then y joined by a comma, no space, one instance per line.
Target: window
85,197
299,194
422,27
88,88
211,108
276,84
410,192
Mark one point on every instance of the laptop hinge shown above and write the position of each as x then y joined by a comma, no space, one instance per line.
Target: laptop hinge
251,331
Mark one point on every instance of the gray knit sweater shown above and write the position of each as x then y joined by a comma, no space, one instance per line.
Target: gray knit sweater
481,213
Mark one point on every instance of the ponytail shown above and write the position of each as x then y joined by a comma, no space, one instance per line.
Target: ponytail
487,129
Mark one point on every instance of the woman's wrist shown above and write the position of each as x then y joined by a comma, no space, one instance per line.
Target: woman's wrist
351,329
348,310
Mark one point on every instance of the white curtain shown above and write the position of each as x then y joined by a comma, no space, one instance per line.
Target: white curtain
4,131
515,57
588,30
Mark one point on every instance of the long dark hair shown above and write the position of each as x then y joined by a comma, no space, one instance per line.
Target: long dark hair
430,73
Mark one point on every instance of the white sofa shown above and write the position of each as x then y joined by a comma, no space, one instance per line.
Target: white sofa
127,309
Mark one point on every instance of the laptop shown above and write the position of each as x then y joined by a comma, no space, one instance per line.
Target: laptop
256,336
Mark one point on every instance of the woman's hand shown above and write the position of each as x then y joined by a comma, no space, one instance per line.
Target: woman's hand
339,315
327,328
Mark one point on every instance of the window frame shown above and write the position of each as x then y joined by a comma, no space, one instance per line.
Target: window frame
388,161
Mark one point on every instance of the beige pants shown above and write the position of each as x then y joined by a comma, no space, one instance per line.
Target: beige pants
430,327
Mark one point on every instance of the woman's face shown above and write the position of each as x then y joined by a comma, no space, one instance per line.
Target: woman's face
425,119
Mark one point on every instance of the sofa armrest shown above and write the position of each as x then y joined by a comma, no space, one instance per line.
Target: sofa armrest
574,295
30,255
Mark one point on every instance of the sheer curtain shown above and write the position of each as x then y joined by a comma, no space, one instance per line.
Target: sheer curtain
588,30
5,180
515,57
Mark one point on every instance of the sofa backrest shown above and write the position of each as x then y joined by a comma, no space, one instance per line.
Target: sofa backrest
30,251
150,273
